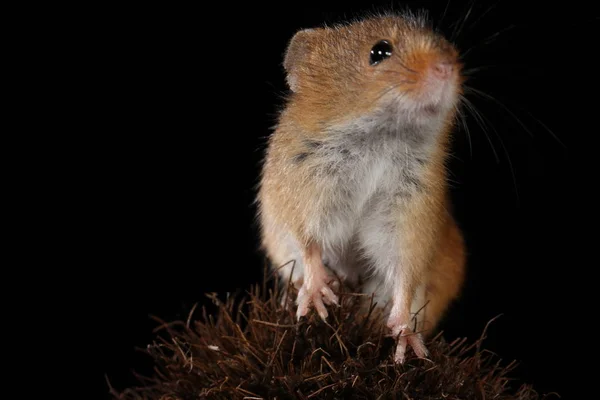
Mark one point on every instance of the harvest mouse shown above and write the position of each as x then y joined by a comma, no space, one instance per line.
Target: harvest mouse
354,175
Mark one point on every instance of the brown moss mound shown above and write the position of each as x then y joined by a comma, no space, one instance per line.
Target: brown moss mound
254,349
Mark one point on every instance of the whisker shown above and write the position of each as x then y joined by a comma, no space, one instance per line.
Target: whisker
547,129
493,37
444,14
510,164
470,71
455,32
487,40
483,94
406,68
392,87
479,121
483,14
466,128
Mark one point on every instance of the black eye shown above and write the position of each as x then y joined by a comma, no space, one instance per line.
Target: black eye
380,52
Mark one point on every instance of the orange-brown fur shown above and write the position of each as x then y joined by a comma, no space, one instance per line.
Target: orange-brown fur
329,92
445,277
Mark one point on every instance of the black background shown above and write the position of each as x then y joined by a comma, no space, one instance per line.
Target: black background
184,98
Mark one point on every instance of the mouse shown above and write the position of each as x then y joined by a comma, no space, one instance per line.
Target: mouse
354,178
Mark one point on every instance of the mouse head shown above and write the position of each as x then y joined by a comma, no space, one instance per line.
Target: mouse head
393,64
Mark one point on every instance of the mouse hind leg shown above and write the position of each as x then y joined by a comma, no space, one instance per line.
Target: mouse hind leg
283,252
445,279
301,267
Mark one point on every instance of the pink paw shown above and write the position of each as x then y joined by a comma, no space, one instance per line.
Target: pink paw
318,293
407,337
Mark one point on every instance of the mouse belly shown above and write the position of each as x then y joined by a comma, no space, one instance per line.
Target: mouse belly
355,242
339,257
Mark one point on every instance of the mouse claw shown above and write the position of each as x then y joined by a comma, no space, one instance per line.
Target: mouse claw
317,296
406,337
328,296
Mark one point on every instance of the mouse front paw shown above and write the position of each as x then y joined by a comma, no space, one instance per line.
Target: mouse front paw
406,337
318,293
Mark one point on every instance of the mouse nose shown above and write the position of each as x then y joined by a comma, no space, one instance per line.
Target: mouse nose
442,69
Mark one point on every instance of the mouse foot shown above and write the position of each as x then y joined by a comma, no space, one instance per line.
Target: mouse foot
406,337
317,292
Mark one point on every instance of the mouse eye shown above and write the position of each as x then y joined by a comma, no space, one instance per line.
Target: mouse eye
380,52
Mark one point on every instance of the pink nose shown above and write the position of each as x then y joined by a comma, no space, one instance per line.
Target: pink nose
443,70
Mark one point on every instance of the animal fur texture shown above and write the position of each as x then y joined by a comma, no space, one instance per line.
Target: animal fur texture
354,177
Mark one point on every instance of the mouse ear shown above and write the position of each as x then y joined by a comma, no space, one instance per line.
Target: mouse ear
297,49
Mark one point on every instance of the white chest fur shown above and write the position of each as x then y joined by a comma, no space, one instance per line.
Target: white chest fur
363,170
